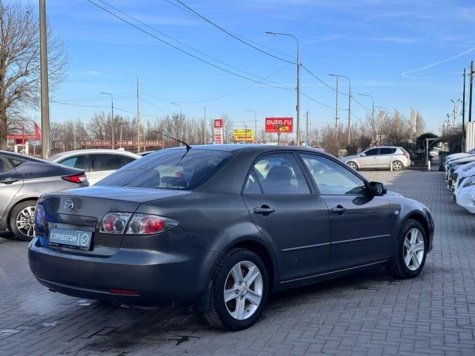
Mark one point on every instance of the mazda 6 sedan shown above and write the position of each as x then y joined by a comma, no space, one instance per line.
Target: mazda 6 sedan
219,227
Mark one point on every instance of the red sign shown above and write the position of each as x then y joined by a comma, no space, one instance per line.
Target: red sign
218,123
279,124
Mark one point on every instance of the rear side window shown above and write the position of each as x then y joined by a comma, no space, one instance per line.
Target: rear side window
105,162
387,150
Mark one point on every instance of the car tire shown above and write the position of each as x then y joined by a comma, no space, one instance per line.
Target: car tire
411,251
22,220
397,165
353,165
239,290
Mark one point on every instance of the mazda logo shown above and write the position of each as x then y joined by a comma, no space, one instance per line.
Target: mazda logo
68,205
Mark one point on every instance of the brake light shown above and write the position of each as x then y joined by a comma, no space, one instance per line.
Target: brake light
76,178
144,224
138,224
114,223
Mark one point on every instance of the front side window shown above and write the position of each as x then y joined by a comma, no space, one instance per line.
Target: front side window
372,152
331,177
76,162
276,174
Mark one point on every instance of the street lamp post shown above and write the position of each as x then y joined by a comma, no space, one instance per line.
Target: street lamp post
455,102
255,124
297,107
349,101
112,115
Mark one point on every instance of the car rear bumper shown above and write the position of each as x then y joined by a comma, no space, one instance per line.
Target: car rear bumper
133,277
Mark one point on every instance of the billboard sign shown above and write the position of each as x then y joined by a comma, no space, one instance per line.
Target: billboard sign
244,135
279,124
218,131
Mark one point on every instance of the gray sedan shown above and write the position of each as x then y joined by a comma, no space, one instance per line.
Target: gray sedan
22,180
219,227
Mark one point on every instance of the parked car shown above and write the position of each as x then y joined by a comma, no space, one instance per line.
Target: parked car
453,165
22,180
98,163
460,173
465,194
210,227
386,157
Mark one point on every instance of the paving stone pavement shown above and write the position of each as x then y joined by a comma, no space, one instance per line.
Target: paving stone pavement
369,313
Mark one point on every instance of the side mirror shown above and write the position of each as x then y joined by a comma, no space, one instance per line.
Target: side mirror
377,189
362,155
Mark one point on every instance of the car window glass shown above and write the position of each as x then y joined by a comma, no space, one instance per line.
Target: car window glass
331,177
126,160
173,169
372,152
105,162
76,162
5,165
387,150
276,174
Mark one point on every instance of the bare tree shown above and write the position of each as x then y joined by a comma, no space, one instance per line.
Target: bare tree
20,64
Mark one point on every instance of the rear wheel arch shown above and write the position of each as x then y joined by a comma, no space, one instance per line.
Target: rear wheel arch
397,165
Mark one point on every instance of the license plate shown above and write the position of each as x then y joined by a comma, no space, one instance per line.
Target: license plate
72,238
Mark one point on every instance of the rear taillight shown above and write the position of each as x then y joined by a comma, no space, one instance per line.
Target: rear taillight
136,224
114,223
145,224
76,178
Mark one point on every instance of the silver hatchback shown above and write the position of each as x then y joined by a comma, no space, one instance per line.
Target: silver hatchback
383,157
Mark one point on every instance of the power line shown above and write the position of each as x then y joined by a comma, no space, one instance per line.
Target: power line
175,46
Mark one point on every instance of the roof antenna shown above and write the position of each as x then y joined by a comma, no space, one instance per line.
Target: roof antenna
188,147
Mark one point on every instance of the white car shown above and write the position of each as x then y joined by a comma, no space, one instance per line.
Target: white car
461,173
465,194
98,163
385,157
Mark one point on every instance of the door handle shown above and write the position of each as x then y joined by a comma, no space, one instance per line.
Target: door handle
264,210
338,210
10,180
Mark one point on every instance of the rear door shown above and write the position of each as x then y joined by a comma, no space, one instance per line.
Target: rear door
385,157
292,218
101,165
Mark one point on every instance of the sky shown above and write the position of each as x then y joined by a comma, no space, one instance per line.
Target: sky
213,58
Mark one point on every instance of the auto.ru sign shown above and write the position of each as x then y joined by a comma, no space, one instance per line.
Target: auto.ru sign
279,124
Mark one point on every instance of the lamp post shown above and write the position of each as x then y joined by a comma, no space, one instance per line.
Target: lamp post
372,113
255,124
455,102
297,107
179,106
349,101
112,114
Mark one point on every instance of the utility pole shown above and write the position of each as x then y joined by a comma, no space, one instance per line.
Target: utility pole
138,118
470,95
44,83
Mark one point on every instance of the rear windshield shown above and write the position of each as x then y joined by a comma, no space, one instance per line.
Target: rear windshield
169,169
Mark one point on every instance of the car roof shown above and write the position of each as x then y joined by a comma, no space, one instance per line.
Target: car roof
21,156
93,150
258,148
